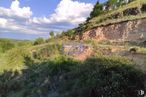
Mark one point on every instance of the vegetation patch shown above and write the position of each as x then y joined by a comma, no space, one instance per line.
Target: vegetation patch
64,77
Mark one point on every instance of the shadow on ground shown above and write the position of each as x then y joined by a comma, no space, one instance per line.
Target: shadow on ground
64,77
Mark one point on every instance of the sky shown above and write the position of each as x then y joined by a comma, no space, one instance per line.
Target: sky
31,19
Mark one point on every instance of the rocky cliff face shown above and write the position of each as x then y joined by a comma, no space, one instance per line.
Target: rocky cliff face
124,31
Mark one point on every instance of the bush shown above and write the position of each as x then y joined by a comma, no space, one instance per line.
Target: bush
103,77
24,44
133,50
52,34
97,10
13,59
47,52
5,45
64,77
39,41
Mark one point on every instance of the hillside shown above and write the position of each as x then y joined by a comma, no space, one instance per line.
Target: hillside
132,11
104,57
126,22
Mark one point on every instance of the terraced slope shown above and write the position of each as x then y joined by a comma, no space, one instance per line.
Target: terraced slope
132,11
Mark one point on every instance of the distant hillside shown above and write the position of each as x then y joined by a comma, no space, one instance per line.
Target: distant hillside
13,40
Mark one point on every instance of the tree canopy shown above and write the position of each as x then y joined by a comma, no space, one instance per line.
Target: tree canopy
52,34
97,10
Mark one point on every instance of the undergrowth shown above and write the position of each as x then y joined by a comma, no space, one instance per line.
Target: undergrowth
65,77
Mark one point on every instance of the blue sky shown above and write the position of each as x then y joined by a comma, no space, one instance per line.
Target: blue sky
30,19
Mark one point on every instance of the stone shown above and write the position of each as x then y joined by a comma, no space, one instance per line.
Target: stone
131,11
126,31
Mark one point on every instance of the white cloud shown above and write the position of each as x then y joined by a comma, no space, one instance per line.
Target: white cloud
69,11
15,10
3,22
68,14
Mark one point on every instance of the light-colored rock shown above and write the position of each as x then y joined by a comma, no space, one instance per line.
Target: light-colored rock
124,31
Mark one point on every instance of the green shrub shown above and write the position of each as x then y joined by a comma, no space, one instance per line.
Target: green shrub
24,44
48,51
64,77
6,44
103,77
52,34
97,10
133,50
39,41
14,59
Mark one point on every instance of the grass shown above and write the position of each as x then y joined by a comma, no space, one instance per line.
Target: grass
13,59
48,51
145,62
112,21
142,50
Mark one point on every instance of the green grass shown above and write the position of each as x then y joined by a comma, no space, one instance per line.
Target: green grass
112,21
13,59
48,51
142,50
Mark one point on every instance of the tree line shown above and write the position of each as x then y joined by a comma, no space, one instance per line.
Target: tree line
100,8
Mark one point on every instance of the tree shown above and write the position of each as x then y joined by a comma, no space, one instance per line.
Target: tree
97,10
112,3
39,41
52,34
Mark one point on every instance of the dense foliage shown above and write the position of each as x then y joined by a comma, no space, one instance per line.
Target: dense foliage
63,77
13,59
39,41
101,8
97,10
68,33
6,44
52,34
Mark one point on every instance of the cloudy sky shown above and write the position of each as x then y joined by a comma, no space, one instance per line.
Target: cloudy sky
30,19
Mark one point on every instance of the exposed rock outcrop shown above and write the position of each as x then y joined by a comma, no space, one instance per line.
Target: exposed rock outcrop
125,31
